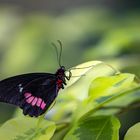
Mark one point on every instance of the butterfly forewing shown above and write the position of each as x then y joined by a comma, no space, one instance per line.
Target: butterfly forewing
10,87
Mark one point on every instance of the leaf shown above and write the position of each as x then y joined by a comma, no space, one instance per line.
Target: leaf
109,100
25,128
106,92
79,70
113,88
95,128
133,133
84,76
109,85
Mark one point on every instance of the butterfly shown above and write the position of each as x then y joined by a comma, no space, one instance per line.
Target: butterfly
34,92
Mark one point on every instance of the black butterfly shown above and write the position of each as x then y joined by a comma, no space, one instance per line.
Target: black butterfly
33,92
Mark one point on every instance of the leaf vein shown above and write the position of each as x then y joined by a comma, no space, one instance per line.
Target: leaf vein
101,130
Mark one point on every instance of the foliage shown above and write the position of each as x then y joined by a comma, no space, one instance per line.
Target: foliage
89,117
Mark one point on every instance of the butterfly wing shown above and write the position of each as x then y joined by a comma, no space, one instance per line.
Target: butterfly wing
10,87
38,95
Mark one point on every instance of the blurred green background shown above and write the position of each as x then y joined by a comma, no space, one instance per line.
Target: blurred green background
107,30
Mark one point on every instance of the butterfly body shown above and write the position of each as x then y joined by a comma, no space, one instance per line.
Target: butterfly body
33,92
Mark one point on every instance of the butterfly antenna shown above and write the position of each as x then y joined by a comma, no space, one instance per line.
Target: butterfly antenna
60,55
56,50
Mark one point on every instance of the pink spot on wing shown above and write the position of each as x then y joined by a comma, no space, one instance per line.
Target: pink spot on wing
34,101
30,99
27,94
43,105
39,102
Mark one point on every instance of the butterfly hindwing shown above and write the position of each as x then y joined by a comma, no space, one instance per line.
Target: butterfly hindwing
38,96
10,87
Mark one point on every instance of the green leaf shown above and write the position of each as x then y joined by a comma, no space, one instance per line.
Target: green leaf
86,72
95,128
111,91
25,128
113,87
133,133
109,85
109,100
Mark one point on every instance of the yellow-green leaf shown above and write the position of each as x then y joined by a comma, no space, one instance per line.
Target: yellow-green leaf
133,133
25,128
109,85
81,69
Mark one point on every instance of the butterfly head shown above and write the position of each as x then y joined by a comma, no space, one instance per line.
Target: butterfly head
61,72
